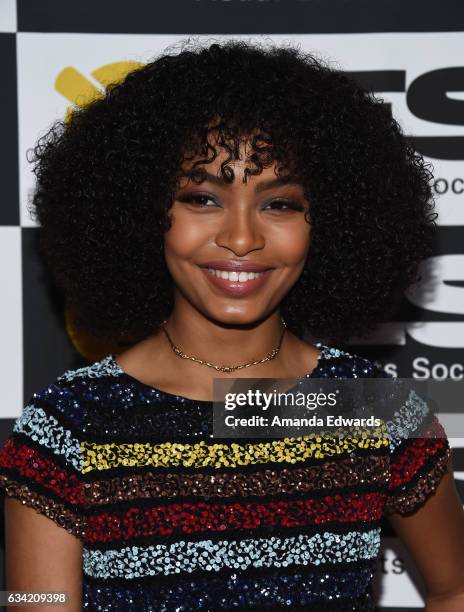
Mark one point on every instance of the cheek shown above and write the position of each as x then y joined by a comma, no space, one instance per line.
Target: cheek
292,244
184,238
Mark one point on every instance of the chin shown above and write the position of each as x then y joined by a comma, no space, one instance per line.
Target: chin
236,318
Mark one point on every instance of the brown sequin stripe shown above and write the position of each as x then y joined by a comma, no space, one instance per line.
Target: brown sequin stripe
55,511
408,501
329,475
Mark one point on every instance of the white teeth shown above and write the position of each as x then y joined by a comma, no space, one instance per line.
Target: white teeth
241,277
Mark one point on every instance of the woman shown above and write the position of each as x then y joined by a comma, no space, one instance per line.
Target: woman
209,211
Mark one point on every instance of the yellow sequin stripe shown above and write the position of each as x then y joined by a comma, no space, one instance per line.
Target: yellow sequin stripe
201,454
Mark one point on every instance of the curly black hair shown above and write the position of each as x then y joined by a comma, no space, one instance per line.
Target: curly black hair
107,177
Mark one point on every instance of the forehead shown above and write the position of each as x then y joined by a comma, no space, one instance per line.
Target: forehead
239,161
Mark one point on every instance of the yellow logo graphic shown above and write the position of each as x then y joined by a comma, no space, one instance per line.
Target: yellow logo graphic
80,91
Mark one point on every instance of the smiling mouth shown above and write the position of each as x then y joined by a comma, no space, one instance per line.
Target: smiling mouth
240,277
234,283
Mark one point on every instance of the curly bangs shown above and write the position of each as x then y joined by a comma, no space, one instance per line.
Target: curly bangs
107,178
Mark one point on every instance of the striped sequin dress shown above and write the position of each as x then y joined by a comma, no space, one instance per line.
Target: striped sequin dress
171,519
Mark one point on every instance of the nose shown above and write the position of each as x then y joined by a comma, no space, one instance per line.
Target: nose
240,231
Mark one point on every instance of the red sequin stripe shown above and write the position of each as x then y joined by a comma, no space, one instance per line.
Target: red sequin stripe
408,501
31,466
418,450
189,518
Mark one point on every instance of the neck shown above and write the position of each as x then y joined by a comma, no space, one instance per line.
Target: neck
227,344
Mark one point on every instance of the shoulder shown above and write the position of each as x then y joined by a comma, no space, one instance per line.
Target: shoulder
43,461
339,363
53,420
62,400
103,368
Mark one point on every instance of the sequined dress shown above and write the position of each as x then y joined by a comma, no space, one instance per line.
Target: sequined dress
171,519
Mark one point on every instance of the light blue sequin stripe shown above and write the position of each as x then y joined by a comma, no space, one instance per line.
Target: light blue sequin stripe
105,367
184,556
331,352
45,430
407,419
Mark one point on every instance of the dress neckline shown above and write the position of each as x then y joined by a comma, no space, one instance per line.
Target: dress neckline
324,352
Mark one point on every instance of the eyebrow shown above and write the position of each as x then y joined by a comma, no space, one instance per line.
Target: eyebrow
267,184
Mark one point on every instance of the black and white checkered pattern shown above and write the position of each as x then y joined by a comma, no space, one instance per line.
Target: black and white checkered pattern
410,53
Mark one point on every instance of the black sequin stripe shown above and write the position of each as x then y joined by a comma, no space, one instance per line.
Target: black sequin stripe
192,439
178,423
96,417
82,432
174,437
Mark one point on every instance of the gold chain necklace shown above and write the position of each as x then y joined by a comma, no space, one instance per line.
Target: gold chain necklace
272,355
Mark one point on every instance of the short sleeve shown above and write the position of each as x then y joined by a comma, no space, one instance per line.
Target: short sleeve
419,456
41,460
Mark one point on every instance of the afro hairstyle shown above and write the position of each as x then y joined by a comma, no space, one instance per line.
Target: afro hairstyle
106,179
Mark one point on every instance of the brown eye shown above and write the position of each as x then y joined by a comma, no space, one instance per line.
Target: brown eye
284,205
199,199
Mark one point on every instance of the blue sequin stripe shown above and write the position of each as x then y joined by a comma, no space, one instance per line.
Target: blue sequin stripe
235,590
46,431
187,556
407,419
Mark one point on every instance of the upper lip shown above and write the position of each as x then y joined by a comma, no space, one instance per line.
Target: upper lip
231,264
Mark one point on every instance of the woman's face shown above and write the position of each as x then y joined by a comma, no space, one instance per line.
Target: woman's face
234,250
